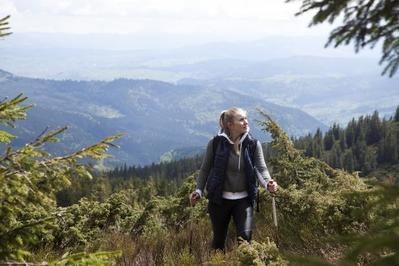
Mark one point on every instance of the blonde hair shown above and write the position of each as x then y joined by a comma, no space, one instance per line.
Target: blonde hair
228,116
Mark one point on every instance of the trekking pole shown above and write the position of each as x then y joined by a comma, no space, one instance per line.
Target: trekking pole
190,225
274,210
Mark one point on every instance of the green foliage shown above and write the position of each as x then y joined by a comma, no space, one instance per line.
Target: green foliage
381,241
256,253
98,188
377,246
82,224
364,145
161,213
364,22
315,202
320,203
217,258
29,179
174,170
396,116
184,258
10,111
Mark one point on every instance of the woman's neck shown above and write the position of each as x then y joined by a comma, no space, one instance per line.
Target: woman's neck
234,138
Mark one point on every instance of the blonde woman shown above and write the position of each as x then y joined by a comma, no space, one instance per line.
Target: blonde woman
231,168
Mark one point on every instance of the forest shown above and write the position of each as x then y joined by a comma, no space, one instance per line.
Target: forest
365,145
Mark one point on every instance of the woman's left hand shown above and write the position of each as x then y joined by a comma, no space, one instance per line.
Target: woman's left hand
272,186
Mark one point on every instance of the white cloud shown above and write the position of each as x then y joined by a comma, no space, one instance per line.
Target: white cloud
218,17
271,9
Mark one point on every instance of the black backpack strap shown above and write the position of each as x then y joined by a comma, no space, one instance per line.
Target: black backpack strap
252,148
215,144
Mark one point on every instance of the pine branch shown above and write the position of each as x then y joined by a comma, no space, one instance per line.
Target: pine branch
10,111
4,22
95,151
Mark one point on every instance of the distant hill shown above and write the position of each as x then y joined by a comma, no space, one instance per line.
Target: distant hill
231,68
110,56
332,85
157,117
330,89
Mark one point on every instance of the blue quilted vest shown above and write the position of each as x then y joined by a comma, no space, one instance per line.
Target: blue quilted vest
218,171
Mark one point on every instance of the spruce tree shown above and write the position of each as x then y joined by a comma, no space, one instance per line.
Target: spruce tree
391,148
350,133
328,140
342,140
374,129
336,160
29,179
335,131
359,151
317,147
396,116
348,161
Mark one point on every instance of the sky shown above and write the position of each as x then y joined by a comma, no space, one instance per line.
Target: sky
213,19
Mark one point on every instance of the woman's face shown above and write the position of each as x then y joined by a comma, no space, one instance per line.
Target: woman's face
239,125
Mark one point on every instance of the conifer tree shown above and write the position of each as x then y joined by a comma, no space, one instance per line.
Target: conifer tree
336,152
29,179
348,161
328,140
359,150
342,140
396,116
335,131
350,133
391,148
318,144
374,129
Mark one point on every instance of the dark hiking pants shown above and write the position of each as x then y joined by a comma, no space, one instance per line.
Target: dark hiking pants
220,215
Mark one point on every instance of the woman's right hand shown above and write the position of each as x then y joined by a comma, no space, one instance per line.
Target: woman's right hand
194,198
272,186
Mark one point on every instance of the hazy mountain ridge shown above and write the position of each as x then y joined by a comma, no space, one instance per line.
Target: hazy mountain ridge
332,85
231,68
106,57
156,116
328,98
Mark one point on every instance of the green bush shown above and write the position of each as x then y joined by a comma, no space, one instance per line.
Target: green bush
258,254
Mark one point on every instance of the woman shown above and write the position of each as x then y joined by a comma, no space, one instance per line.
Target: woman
232,164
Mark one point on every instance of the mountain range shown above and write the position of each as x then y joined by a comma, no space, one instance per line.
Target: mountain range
332,85
157,117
